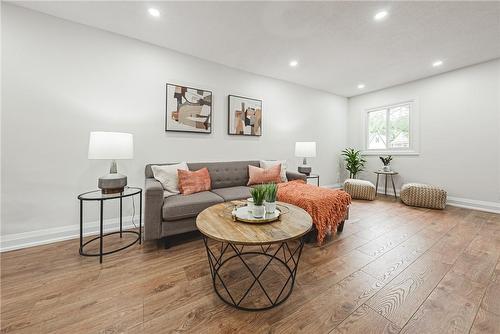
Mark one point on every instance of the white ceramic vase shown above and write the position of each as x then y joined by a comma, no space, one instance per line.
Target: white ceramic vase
250,204
386,168
270,207
259,211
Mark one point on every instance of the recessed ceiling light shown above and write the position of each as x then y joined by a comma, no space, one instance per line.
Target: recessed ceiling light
361,86
437,63
293,63
381,15
154,12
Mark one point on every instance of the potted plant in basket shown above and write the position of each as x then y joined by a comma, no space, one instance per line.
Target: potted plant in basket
354,163
386,161
270,198
258,194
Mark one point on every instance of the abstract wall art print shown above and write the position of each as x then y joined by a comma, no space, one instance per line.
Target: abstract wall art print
188,109
245,116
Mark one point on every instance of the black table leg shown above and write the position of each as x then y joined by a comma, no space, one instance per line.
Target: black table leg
385,189
101,231
140,217
393,187
289,261
81,226
376,186
318,180
121,217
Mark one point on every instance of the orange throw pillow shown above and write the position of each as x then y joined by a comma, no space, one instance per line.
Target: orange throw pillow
260,175
194,182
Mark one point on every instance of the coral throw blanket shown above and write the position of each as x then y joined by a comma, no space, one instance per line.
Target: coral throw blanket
327,207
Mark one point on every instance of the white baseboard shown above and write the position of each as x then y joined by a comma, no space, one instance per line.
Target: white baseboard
473,204
46,236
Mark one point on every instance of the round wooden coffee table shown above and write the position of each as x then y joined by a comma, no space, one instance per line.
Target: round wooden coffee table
233,247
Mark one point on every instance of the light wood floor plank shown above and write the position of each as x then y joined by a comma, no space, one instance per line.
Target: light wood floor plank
399,299
486,323
450,308
366,320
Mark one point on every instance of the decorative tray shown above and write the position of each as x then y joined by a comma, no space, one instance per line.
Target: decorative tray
243,215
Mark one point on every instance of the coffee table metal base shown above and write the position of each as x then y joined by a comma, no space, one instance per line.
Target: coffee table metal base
286,255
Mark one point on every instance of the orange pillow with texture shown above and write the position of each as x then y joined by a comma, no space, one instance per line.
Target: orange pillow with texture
260,175
194,182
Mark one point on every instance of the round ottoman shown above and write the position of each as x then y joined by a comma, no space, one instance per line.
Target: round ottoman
423,195
360,189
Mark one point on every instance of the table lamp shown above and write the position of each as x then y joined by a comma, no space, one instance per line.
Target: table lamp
111,146
305,150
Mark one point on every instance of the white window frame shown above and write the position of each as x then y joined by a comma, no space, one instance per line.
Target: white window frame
413,148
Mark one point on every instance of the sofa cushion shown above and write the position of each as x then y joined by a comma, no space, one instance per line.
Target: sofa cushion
222,174
194,182
261,175
185,206
226,174
233,193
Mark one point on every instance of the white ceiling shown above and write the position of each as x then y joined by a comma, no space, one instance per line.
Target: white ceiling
338,44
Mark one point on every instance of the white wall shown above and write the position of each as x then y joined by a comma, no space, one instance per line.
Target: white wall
61,80
459,135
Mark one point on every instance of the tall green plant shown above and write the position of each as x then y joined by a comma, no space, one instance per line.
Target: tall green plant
271,192
354,162
258,194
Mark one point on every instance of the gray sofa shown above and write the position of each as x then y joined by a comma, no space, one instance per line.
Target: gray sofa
176,214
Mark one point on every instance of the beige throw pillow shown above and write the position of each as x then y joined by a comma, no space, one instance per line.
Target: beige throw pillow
167,175
266,164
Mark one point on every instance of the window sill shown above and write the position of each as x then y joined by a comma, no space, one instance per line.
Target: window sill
388,152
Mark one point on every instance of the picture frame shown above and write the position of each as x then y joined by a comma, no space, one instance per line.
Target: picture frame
244,116
188,109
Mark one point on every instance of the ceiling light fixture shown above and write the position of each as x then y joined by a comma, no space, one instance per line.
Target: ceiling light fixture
154,12
437,63
381,15
294,63
361,86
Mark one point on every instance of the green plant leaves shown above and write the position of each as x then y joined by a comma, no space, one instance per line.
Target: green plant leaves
354,161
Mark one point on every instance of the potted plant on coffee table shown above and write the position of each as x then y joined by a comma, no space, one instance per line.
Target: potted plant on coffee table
270,198
258,194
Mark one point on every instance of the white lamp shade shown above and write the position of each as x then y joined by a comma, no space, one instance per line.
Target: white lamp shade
305,149
111,145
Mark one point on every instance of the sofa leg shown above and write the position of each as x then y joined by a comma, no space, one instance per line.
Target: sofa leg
166,244
340,228
312,235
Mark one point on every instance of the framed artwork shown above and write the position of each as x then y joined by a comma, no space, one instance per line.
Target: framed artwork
188,109
245,116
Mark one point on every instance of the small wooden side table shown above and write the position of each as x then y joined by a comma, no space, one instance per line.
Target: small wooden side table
391,174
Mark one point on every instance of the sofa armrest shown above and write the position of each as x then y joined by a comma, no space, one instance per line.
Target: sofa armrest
153,202
295,176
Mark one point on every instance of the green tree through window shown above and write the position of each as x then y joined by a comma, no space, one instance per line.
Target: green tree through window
389,127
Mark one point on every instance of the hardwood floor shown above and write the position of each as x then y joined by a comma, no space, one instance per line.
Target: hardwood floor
394,269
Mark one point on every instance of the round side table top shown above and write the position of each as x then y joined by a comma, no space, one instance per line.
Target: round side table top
388,173
97,195
217,223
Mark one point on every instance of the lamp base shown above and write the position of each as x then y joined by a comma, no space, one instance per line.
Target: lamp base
304,170
112,183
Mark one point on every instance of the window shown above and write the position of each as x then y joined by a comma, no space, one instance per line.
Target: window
388,128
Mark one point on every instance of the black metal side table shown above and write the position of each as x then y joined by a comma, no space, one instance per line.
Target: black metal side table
97,195
313,176
391,174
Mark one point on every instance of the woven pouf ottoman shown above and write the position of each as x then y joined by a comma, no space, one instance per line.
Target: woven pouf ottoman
423,195
360,189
